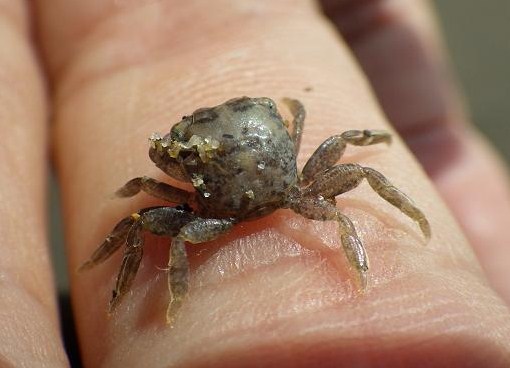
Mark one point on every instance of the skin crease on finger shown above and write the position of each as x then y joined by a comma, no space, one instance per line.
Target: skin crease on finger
29,331
258,296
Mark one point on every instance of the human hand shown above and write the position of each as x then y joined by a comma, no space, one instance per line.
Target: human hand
121,70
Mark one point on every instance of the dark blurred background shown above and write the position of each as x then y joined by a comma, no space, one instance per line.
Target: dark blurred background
477,34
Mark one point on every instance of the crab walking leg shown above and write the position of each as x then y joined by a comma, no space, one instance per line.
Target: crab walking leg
298,111
386,190
178,277
332,149
342,178
110,245
176,222
317,208
166,221
130,264
202,230
154,188
158,220
197,231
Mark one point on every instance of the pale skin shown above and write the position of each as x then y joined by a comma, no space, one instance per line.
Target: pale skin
122,70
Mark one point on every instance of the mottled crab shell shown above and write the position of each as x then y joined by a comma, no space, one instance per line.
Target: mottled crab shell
238,155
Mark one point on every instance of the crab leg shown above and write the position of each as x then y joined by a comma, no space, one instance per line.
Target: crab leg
330,151
168,221
318,208
110,245
154,188
298,111
197,231
178,277
202,230
177,222
130,264
158,220
342,178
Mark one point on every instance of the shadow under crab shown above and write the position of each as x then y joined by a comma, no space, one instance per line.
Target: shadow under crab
241,159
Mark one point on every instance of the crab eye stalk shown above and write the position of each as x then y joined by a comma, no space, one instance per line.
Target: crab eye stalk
267,102
178,131
176,134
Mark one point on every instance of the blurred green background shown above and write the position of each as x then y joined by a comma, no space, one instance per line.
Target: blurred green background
478,37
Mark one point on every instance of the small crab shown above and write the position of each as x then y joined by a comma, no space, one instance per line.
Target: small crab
241,159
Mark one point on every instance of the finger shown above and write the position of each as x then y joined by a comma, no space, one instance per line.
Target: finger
257,297
398,45
29,333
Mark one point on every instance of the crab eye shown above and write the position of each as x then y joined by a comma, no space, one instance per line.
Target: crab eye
178,131
176,134
204,115
267,102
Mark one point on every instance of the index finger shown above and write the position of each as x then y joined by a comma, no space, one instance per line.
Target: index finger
257,297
